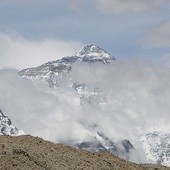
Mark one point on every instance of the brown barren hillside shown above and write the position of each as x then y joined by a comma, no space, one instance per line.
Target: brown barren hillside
32,153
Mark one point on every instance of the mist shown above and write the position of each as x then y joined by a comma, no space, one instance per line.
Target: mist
136,101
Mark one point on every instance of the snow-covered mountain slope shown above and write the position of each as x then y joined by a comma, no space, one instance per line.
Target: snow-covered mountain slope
157,147
6,127
117,108
51,71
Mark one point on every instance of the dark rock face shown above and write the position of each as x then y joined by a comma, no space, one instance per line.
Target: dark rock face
91,146
100,142
127,145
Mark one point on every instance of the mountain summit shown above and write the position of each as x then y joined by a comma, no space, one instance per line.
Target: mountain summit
90,54
94,52
52,70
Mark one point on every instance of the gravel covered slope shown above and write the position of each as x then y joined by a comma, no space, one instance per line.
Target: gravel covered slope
27,152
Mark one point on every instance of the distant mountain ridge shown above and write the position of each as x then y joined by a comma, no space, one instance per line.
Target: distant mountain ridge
50,71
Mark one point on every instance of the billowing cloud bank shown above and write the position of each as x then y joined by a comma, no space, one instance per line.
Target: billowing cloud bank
137,101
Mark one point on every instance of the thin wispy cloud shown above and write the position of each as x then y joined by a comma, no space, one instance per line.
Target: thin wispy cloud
158,36
129,6
122,6
18,52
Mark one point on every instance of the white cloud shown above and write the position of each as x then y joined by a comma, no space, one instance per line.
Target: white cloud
127,6
158,36
137,94
18,52
165,61
75,4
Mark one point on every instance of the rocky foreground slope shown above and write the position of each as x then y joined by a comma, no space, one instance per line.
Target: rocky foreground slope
27,152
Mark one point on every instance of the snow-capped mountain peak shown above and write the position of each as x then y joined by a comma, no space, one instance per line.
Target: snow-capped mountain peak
92,50
51,71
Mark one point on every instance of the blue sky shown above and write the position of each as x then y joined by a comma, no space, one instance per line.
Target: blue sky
125,28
